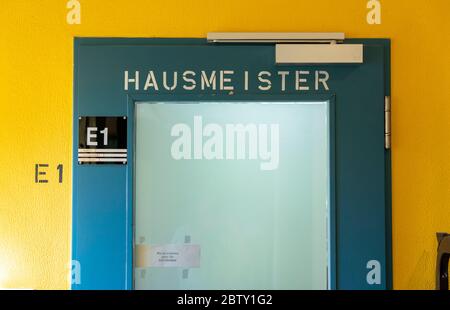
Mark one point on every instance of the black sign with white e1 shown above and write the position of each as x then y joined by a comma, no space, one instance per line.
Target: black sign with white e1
102,140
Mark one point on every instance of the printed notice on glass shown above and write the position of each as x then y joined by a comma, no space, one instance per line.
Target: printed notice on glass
168,255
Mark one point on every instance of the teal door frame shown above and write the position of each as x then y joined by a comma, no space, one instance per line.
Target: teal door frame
102,233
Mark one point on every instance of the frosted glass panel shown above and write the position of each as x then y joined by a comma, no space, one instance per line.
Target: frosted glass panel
231,195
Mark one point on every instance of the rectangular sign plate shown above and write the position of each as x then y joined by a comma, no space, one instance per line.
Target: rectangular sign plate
319,53
102,140
168,255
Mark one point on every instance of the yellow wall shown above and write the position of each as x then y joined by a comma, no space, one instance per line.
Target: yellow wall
36,63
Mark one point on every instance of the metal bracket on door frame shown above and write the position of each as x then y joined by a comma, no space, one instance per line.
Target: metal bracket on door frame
275,37
387,122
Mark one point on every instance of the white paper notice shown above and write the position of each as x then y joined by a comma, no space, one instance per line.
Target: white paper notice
168,255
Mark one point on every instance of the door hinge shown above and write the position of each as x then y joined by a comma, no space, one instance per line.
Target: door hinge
387,122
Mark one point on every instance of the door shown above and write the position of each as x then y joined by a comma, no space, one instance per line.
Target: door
241,174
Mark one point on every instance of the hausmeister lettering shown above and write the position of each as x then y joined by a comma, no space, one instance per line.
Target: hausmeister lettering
226,80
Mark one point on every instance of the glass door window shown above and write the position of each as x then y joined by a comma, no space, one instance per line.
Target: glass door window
232,195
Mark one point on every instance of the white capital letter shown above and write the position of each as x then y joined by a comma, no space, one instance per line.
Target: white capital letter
299,80
151,81
187,79
209,82
135,80
91,134
323,79
224,80
175,78
264,80
283,79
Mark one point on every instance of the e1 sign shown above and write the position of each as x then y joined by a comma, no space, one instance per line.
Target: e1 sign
102,140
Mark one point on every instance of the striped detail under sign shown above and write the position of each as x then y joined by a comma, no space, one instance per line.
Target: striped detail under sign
102,156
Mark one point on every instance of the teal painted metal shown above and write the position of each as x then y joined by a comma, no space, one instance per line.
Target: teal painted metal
103,196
